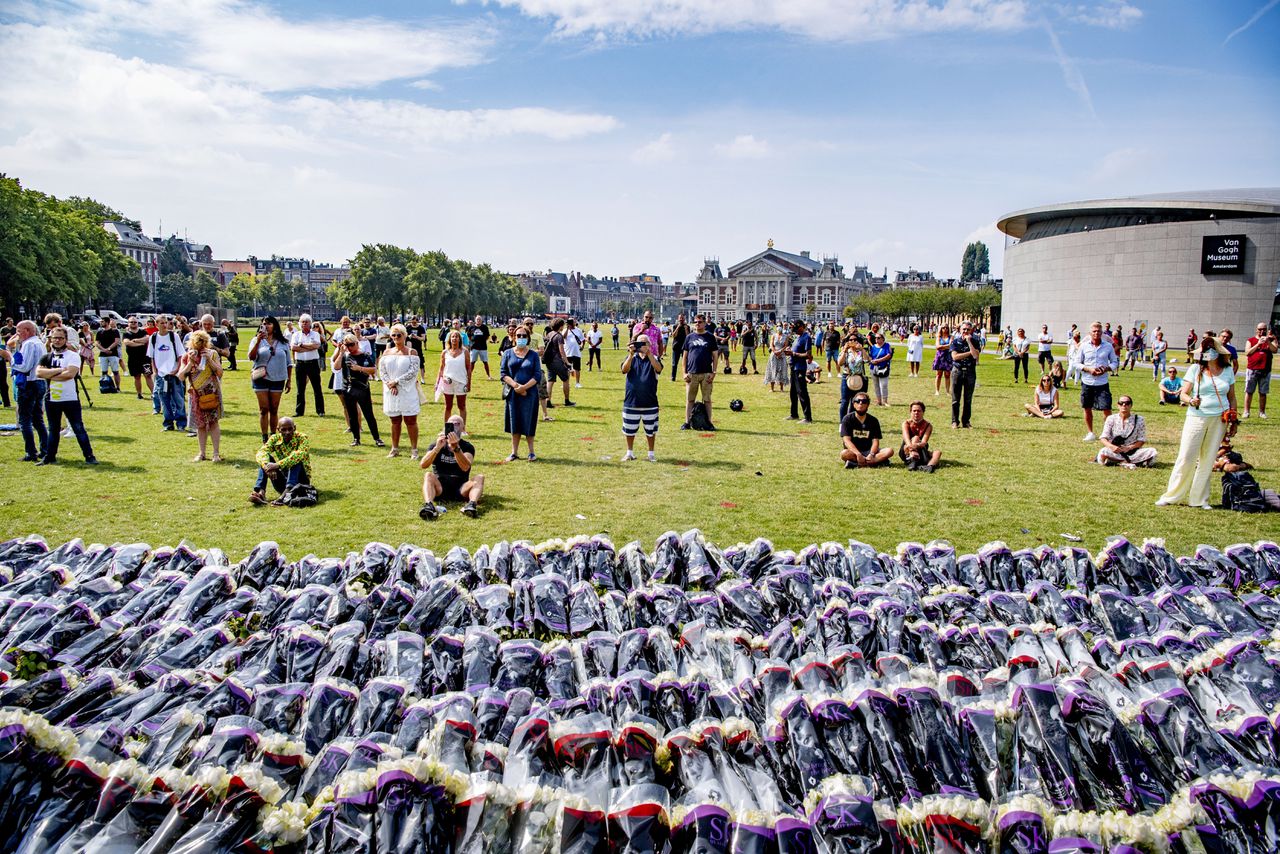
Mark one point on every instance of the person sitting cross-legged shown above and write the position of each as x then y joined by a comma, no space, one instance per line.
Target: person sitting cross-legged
916,432
450,477
1124,439
860,434
284,459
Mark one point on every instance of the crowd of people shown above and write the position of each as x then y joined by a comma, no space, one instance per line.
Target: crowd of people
182,365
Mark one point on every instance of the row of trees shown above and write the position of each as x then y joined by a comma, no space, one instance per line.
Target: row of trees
389,280
930,305
55,251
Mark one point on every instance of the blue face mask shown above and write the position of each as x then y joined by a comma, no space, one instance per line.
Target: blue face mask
522,342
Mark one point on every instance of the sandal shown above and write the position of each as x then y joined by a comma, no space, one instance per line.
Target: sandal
199,458
394,452
217,458
547,418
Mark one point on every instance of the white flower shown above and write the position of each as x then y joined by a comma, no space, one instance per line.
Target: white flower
1086,824
286,823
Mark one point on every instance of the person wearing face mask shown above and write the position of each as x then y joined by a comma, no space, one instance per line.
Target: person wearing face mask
1208,390
59,369
521,374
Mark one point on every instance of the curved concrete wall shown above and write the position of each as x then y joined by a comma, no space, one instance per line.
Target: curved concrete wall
1141,273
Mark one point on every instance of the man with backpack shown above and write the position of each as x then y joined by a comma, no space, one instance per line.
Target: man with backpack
165,350
701,359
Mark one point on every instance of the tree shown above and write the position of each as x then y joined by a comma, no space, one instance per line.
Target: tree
173,258
377,282
242,292
975,263
99,213
535,303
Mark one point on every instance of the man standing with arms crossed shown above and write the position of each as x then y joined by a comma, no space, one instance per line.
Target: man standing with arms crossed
305,345
59,369
479,334
965,350
1097,360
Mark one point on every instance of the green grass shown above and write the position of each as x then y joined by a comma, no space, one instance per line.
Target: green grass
760,475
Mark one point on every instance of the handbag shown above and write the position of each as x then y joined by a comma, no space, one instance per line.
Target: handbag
423,398
208,402
880,370
257,373
855,382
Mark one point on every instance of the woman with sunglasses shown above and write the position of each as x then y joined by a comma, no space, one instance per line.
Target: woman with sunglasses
942,361
272,374
398,370
352,368
453,379
881,359
1209,391
1044,400
1124,438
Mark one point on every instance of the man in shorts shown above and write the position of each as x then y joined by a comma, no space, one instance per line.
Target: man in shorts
640,401
1097,361
108,341
479,334
701,357
573,339
1258,354
831,345
135,353
451,476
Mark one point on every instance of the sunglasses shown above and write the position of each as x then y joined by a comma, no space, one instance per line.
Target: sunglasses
857,400
1126,403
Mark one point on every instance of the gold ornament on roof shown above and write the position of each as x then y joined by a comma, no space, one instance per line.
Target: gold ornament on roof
770,242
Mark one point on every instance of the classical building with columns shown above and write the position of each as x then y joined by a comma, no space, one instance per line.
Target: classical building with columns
776,285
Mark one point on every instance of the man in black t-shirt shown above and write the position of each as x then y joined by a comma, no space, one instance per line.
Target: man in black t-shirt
108,340
135,351
860,434
233,341
451,477
478,332
701,359
748,339
678,333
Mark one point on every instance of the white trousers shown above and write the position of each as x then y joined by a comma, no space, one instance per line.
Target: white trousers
1144,456
1189,480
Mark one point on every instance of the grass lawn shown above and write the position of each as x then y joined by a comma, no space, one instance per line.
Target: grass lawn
1021,480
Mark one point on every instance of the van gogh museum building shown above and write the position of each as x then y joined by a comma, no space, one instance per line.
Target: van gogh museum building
1197,260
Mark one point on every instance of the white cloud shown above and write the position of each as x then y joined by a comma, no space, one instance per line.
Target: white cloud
1252,20
825,20
660,150
1121,164
1114,15
744,147
246,41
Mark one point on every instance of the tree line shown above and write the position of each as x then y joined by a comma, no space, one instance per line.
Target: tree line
56,252
929,305
390,280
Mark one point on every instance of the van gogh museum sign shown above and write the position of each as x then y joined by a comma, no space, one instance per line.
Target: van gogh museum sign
1222,253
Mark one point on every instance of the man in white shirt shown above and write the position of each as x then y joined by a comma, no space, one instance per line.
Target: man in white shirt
59,369
53,321
165,351
573,339
1097,361
305,344
1044,350
594,339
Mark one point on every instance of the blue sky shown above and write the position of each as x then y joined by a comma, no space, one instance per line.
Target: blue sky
620,137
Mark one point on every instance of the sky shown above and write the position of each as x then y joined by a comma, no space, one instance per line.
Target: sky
618,137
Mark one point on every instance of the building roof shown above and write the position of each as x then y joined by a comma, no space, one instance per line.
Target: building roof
1258,201
796,263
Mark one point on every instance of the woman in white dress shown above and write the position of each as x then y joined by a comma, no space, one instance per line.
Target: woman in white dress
398,370
454,377
915,350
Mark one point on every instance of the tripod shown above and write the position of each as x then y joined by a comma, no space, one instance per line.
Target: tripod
84,388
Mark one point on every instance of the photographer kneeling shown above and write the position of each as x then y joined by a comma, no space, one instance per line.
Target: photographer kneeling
450,478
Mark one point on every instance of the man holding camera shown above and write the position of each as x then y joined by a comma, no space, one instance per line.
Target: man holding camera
451,477
640,401
701,358
1258,353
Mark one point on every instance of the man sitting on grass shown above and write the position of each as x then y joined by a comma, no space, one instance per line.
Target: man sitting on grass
451,477
285,460
1124,439
860,432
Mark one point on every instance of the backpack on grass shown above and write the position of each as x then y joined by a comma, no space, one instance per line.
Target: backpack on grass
106,385
300,495
698,419
1241,492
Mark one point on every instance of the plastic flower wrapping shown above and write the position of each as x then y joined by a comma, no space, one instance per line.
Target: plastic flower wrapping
570,696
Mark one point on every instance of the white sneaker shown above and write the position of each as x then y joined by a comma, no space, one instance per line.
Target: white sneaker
66,433
577,385
828,375
1262,415
1244,415
628,456
1164,502
1089,437
651,458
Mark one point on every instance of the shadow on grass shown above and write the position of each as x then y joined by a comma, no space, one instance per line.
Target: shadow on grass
109,466
113,439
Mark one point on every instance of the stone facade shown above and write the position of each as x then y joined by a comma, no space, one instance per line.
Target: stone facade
776,285
145,250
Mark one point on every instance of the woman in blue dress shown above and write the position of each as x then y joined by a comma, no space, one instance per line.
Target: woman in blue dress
521,374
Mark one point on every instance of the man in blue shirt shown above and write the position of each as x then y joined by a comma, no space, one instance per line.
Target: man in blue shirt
26,350
1097,361
801,353
701,355
965,350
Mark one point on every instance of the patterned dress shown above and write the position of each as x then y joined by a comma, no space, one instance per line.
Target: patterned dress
776,370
